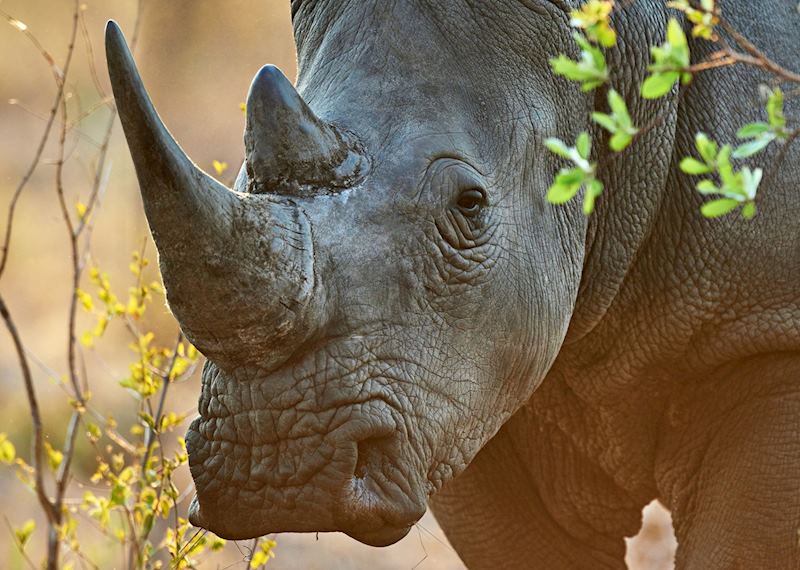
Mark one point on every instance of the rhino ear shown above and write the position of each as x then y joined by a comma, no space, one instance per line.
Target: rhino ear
289,149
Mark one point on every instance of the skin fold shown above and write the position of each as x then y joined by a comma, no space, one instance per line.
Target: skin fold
394,315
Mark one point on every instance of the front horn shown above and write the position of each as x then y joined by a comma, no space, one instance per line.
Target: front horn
237,267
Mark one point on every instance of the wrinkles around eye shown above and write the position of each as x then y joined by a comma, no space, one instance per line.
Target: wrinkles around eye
461,233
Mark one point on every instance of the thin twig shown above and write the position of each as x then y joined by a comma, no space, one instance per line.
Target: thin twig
754,55
252,552
36,416
104,146
166,381
60,82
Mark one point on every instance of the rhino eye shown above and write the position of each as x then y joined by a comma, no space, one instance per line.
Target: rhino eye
471,201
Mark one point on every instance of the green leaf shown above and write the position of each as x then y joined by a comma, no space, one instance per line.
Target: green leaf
590,53
557,146
119,493
605,121
606,36
562,193
720,207
752,130
749,211
593,84
576,71
753,147
590,70
562,65
659,84
620,141
706,147
775,109
54,456
750,181
675,35
583,144
725,168
707,187
593,189
693,166
570,177
93,431
617,104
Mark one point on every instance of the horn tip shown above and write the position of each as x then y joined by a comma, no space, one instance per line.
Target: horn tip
270,86
270,72
118,55
114,34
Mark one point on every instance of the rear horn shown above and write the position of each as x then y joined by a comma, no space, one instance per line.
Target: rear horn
289,149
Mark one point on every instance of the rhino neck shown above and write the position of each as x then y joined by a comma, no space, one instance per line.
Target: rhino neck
635,181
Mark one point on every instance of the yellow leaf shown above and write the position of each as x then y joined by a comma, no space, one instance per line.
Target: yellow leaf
54,456
80,207
263,554
117,461
219,167
100,327
85,299
87,339
7,450
93,432
24,532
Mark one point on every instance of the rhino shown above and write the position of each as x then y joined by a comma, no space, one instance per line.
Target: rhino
393,315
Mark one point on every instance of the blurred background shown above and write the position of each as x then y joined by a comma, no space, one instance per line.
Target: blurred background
197,59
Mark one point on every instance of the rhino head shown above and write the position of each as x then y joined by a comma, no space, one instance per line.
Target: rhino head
385,285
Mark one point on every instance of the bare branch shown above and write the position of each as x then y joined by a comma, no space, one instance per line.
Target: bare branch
36,416
60,82
754,55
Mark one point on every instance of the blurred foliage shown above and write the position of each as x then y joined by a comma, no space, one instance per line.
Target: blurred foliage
730,189
112,475
133,497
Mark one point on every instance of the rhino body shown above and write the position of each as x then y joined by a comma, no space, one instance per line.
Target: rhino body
393,314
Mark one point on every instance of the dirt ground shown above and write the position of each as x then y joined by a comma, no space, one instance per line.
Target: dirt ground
426,548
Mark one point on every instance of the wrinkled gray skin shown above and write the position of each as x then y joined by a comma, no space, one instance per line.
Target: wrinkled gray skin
386,287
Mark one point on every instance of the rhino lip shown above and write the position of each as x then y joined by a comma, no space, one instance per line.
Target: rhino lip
383,536
371,512
376,522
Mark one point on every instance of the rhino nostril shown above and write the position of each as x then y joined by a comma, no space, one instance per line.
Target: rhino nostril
371,453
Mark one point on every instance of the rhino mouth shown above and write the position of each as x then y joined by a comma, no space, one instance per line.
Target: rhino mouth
332,452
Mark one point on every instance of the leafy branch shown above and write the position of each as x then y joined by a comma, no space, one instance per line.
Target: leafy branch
671,64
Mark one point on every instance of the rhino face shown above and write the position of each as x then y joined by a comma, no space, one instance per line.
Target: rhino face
380,291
